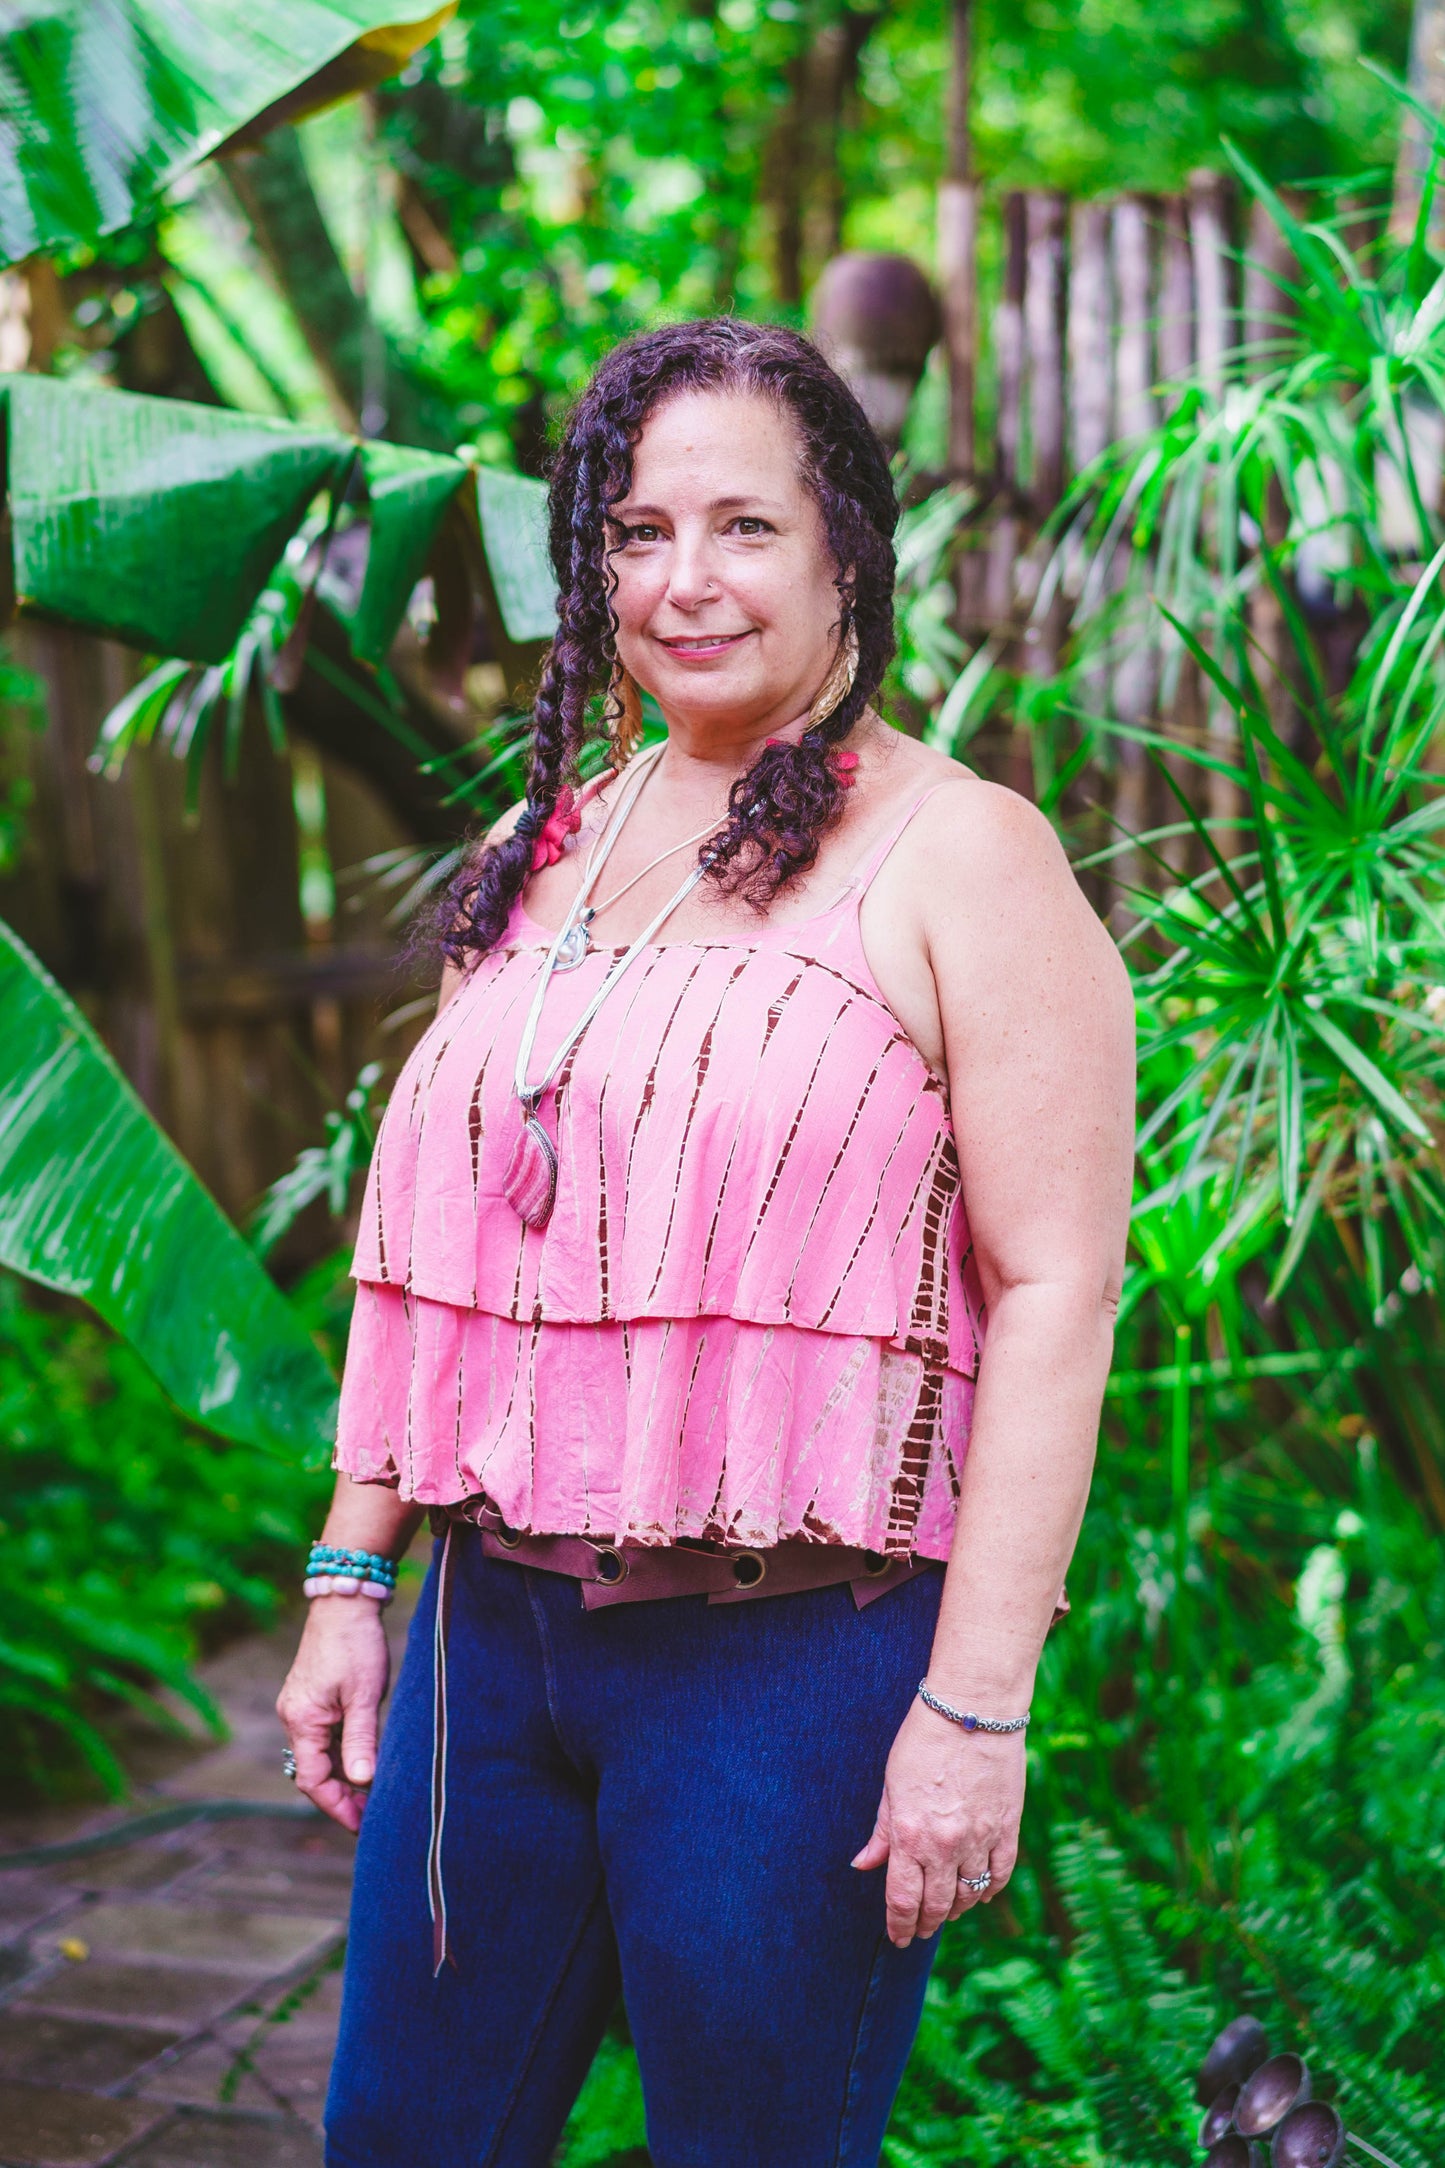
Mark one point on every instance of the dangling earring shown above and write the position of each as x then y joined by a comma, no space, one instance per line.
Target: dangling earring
624,716
838,683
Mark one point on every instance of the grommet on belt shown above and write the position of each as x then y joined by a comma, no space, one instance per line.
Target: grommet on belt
611,1565
509,1538
877,1565
749,1568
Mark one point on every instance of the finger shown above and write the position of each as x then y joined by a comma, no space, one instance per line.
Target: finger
1001,1866
316,1775
310,1736
358,1741
965,1898
339,1801
940,1890
875,1851
903,1895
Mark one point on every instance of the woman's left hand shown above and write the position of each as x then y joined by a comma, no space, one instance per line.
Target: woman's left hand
951,1806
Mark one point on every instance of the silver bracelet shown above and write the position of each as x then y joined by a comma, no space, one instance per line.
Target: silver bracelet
966,1718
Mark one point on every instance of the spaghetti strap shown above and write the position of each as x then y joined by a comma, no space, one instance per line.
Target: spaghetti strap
864,873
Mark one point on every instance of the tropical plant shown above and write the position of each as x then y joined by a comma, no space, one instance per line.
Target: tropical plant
192,81
129,1540
96,1202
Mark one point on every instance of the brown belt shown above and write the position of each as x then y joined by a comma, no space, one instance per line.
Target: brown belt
637,1572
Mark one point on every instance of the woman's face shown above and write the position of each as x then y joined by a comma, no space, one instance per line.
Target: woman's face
726,606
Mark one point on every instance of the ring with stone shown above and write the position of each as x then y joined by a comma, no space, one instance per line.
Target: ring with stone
288,1763
979,1882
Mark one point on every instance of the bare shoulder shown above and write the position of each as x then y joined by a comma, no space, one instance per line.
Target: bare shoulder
991,864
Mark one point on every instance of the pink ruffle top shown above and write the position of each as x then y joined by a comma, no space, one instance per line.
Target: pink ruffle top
753,1315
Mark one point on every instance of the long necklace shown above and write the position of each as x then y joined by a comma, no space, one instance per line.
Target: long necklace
530,1183
579,938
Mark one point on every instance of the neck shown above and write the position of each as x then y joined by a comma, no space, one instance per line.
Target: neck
701,764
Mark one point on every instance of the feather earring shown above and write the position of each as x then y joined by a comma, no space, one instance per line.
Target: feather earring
838,683
624,716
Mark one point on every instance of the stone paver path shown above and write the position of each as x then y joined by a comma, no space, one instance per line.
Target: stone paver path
136,1985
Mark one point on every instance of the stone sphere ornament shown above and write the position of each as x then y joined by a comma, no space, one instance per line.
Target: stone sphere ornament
1267,2097
1311,2136
1236,2054
1234,2152
1219,2116
876,318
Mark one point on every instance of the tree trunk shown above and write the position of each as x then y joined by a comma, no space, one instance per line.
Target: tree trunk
802,178
1417,147
958,248
372,392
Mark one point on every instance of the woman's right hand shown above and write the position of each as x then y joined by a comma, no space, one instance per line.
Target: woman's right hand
339,1678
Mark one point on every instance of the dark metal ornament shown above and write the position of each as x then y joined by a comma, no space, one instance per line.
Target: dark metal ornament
1267,2097
1237,2052
1311,2136
1219,2116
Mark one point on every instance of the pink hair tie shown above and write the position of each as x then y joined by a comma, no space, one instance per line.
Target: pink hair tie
564,820
841,763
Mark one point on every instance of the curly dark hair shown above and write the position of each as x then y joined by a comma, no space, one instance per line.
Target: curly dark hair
781,808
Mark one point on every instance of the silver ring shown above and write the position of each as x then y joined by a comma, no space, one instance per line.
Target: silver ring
288,1763
979,1882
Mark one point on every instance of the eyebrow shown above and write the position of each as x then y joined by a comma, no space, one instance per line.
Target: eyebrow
719,504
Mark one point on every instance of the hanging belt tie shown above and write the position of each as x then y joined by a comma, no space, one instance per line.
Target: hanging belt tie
442,1953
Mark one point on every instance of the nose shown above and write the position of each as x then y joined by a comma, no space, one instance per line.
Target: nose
691,579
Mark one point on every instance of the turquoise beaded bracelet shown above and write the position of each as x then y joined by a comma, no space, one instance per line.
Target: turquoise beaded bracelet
332,1570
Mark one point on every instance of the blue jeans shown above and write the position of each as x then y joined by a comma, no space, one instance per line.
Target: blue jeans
665,1794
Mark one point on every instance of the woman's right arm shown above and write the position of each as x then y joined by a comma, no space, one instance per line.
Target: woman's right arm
340,1674
339,1677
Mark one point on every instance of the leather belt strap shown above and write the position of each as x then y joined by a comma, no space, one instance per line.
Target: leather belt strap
638,1573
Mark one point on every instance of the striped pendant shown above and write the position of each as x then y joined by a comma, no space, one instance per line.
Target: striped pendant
530,1183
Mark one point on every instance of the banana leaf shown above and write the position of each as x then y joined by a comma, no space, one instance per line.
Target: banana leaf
103,103
96,1202
158,521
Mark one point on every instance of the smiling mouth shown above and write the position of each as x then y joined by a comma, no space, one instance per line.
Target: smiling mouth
703,643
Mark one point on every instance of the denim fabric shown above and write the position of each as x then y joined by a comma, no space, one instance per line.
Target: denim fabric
666,1793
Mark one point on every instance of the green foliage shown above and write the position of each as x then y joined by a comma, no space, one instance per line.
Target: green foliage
95,1201
126,1535
323,1170
72,169
160,521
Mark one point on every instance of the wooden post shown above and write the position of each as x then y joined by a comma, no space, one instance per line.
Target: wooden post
1008,341
1046,224
958,248
1268,267
1174,331
1046,218
1134,356
1136,669
1417,145
1091,343
1209,236
1174,364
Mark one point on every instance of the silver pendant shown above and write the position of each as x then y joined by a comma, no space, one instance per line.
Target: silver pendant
574,945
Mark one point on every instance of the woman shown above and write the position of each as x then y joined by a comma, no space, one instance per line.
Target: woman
767,1073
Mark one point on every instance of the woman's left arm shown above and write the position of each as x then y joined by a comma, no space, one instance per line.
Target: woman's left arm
1038,1027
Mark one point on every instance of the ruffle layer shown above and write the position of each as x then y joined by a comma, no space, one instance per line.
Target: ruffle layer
741,1131
657,1429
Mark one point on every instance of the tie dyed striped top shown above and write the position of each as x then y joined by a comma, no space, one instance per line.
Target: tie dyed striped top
753,1315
